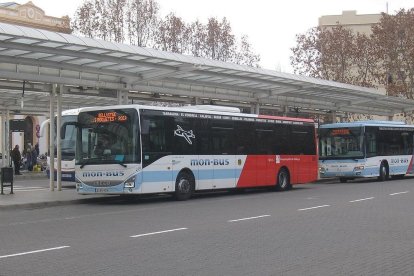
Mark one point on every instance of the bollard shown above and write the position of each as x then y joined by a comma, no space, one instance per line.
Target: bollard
7,176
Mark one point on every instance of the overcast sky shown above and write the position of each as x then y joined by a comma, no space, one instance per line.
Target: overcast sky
271,25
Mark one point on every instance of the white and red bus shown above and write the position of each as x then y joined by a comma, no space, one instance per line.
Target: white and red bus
133,149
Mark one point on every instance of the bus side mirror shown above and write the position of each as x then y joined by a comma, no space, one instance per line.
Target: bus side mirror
63,128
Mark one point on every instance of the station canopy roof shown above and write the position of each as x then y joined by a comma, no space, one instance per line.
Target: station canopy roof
92,71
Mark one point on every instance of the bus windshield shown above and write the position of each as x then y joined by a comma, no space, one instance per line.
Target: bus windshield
342,143
68,143
108,137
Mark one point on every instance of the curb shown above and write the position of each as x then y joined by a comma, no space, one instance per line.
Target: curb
45,204
327,180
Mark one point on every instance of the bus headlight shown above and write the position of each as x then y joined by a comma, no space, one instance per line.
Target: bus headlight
358,168
78,183
322,170
130,182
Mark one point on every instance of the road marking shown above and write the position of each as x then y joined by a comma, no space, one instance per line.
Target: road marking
362,199
26,187
234,220
400,193
304,209
30,190
32,252
159,232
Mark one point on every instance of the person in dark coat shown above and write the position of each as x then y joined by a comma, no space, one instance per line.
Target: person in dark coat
16,157
37,149
29,160
34,157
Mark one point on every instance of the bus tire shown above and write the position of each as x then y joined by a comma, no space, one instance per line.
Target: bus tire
283,180
184,186
343,179
383,172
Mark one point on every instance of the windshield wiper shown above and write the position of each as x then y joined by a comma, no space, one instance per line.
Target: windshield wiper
84,164
122,164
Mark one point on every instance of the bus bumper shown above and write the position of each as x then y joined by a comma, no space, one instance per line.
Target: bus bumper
66,176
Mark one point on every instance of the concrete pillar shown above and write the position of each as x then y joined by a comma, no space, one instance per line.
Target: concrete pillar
285,110
58,140
255,108
391,118
122,97
52,139
333,116
197,100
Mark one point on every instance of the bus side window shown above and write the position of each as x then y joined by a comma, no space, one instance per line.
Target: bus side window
371,144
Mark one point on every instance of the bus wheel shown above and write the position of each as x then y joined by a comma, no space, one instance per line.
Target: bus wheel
343,179
283,180
184,186
383,172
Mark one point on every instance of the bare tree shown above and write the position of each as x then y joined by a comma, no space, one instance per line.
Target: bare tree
172,35
327,53
87,19
245,55
384,58
220,42
115,15
394,37
197,38
142,19
137,22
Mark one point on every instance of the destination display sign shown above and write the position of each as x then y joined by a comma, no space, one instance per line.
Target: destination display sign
108,117
340,131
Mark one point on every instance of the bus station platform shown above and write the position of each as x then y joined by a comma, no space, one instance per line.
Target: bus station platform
26,196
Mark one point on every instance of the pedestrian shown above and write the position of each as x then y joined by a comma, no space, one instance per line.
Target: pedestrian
16,157
34,157
37,149
29,157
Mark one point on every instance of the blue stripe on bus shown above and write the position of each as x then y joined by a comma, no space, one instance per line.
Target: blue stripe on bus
161,176
341,161
367,172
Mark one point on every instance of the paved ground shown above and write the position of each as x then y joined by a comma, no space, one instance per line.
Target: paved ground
33,190
357,228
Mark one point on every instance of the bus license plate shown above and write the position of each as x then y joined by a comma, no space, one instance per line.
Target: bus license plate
101,190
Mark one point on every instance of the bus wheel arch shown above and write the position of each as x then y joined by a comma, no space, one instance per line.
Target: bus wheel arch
184,185
283,179
384,171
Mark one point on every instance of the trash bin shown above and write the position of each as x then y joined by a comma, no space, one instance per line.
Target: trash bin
7,177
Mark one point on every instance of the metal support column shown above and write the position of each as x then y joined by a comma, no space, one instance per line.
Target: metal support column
52,139
3,139
58,140
7,138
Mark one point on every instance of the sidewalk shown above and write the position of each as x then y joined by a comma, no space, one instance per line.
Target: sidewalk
43,197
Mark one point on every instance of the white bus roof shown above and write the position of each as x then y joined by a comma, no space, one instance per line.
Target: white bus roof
195,109
367,123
